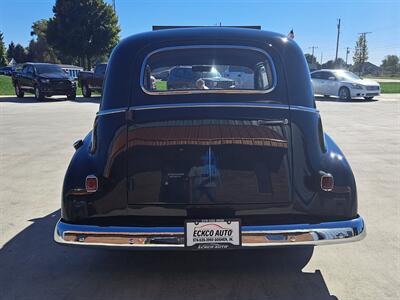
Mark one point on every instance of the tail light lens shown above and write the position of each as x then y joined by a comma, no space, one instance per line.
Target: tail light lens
327,182
91,184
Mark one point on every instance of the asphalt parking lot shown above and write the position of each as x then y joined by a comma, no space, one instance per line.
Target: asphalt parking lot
36,145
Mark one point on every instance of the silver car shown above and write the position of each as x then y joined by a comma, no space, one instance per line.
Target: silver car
343,84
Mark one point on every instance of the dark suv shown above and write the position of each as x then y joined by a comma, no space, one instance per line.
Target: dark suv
43,80
185,77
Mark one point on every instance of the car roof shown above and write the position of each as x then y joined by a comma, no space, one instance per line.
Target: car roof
133,51
201,32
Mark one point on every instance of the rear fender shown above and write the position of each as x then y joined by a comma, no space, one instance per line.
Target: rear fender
81,165
314,152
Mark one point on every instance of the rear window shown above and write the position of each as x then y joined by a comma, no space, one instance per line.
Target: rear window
208,69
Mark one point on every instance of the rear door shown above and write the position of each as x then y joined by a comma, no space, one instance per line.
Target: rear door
317,82
332,84
192,156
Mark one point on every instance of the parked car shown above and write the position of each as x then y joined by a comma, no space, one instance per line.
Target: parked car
72,71
208,168
7,71
92,81
343,84
162,75
185,77
43,80
242,76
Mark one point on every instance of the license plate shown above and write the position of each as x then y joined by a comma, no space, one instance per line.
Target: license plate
212,234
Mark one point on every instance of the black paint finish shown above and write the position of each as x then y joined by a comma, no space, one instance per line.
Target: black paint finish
256,157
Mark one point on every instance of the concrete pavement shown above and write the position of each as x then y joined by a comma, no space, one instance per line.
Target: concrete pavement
36,145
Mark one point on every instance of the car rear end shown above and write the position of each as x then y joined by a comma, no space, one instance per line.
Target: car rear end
212,168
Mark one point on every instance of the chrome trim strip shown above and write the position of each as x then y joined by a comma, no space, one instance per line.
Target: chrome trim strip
111,111
212,104
183,92
173,237
304,108
208,104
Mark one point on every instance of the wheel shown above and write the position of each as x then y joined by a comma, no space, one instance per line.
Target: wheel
18,92
369,98
71,96
86,92
344,93
38,94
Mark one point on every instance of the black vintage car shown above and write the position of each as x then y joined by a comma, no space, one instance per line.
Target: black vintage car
43,80
208,168
186,77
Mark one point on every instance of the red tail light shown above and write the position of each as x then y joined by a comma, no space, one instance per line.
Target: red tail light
327,182
91,184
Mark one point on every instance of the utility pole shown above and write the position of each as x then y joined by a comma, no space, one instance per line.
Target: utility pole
321,59
337,40
347,53
363,50
312,50
113,5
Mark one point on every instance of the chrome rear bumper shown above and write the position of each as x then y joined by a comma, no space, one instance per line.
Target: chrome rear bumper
174,237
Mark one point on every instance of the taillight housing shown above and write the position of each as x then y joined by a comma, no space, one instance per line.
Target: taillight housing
91,183
327,182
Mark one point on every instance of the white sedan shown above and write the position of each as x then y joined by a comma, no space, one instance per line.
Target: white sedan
343,84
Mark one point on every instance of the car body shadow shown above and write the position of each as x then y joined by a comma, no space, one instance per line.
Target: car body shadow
30,100
33,266
336,99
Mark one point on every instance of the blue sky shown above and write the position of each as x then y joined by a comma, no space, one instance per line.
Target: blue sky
314,22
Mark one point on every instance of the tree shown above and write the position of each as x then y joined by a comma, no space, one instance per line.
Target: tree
20,54
10,51
340,63
390,64
39,49
17,52
84,29
311,59
3,54
330,64
361,50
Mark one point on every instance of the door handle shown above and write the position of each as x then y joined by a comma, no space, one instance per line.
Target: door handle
273,122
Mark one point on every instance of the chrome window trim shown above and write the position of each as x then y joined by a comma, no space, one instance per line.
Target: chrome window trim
111,111
205,105
183,92
208,104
